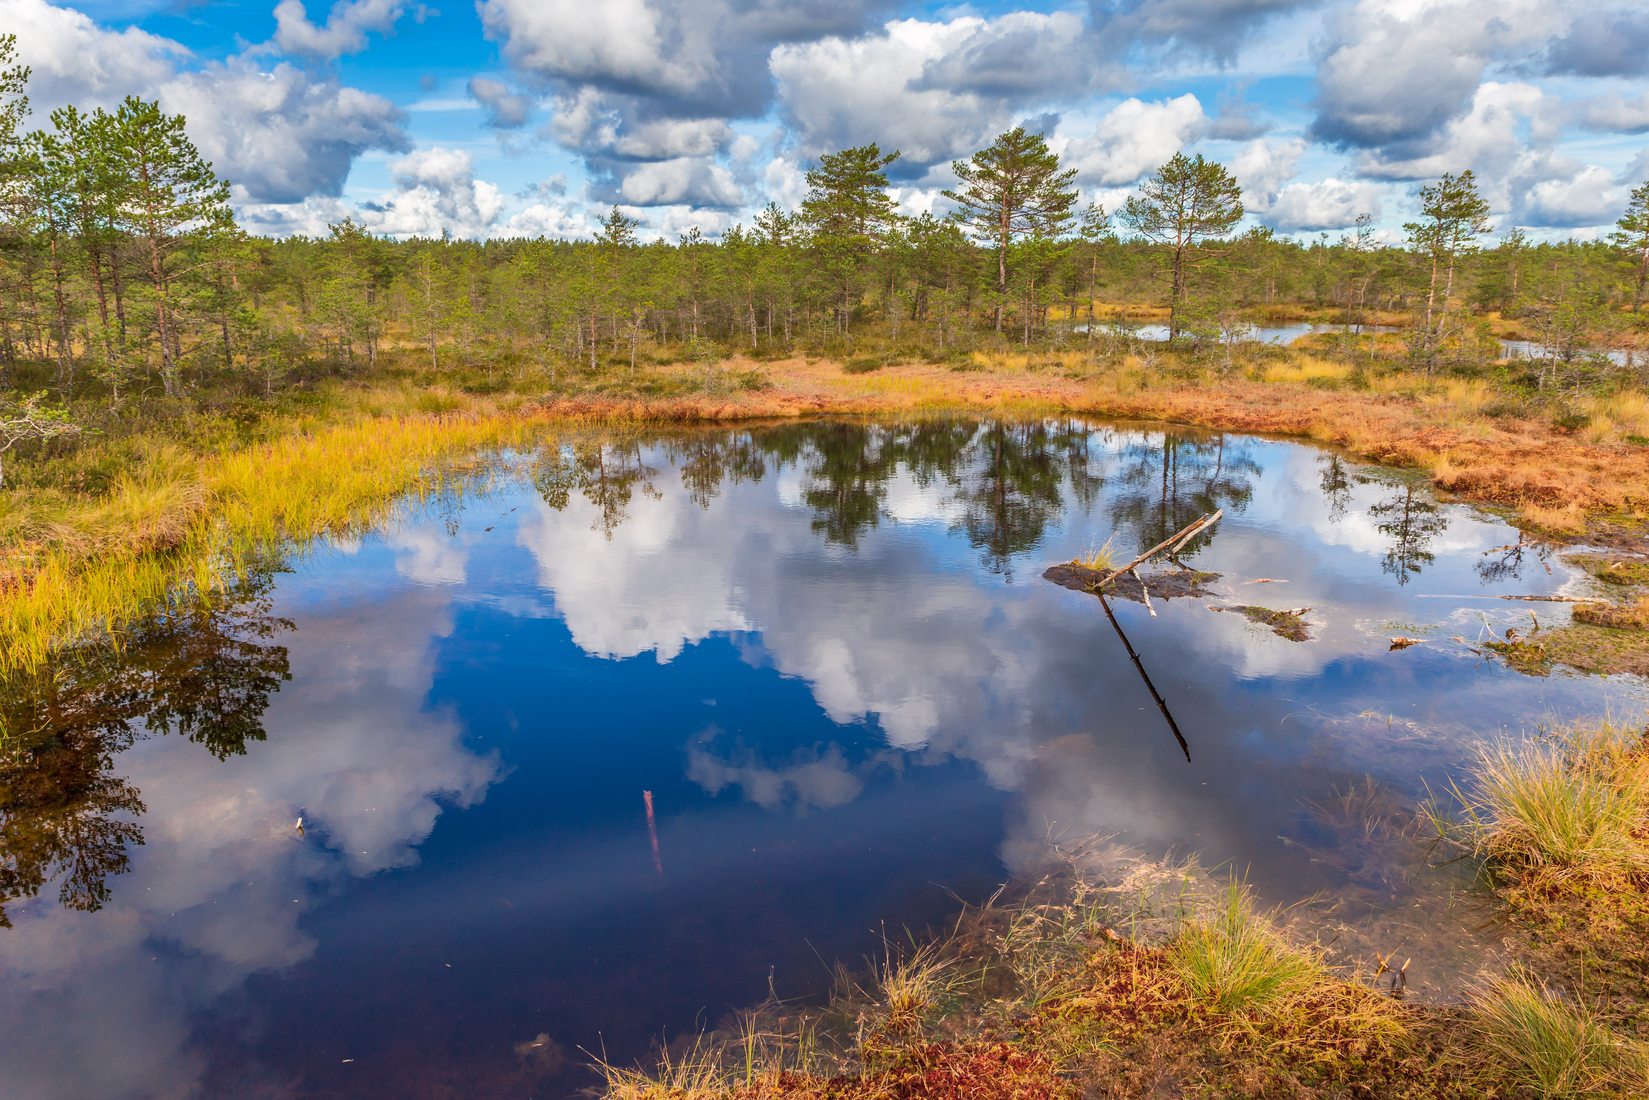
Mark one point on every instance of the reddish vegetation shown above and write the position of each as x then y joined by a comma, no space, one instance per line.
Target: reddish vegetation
936,1071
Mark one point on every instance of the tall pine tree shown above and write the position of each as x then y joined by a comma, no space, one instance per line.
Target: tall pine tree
1632,234
174,200
848,212
1454,216
1013,189
1189,200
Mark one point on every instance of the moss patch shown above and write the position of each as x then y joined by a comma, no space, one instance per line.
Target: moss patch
1284,624
1613,569
1632,616
1582,646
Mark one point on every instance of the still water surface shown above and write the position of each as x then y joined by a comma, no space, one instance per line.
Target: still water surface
825,652
1284,335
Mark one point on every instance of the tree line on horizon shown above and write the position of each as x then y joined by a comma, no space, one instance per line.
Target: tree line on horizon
122,269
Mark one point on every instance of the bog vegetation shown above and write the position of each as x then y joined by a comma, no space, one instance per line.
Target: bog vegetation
1161,982
1159,979
178,398
149,348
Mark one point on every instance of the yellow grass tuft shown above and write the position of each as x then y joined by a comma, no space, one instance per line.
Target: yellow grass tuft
1307,369
1574,803
1101,558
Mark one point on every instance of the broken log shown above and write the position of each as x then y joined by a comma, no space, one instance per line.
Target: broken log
1170,544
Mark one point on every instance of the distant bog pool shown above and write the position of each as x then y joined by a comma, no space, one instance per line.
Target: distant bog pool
638,729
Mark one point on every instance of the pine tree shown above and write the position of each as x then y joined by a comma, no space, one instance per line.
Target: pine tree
776,236
1013,189
44,194
90,156
14,100
1454,216
620,277
1632,234
847,212
354,282
1188,200
1095,230
14,109
174,199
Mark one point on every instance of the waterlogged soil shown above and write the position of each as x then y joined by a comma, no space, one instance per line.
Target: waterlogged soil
1287,623
1615,569
643,728
1158,584
1602,650
1607,635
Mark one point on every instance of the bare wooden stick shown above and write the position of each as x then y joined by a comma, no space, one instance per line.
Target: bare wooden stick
1488,596
1173,542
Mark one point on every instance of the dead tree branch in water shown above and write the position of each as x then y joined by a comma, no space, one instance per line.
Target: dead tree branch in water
1169,544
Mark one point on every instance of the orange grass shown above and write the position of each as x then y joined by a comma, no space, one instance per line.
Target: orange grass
1553,480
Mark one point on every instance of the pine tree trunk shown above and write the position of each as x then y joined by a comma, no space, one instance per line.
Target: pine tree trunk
157,275
1428,339
119,292
65,349
1001,266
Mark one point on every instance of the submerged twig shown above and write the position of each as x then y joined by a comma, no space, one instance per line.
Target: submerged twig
1145,591
652,831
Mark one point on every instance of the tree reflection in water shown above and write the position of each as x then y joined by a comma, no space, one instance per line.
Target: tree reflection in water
1006,481
1168,481
608,474
1502,563
1012,490
1410,518
1336,482
205,671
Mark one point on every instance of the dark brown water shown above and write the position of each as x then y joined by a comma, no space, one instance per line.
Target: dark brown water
826,652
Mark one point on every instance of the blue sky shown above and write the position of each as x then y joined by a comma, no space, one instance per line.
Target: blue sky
509,117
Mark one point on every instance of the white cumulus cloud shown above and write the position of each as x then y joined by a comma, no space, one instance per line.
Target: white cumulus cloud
1134,138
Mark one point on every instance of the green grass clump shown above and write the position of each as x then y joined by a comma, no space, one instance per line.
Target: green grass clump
1235,960
1573,804
1550,1048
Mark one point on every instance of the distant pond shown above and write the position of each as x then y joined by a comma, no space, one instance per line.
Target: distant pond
1283,335
598,747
